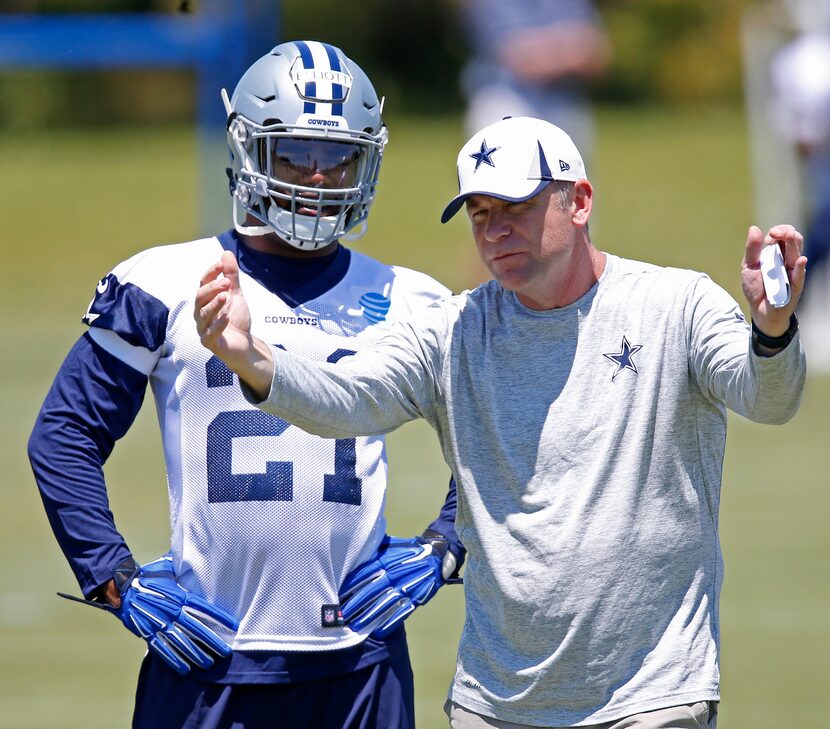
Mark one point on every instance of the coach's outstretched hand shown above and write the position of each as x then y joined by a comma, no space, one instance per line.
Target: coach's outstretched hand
223,321
770,320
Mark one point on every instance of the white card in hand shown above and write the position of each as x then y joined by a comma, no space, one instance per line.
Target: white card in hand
776,281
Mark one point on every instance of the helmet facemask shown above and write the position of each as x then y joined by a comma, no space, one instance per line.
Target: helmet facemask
310,188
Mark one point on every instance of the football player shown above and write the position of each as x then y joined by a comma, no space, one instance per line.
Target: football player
269,525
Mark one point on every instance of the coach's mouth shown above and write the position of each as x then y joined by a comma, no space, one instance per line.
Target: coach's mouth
504,256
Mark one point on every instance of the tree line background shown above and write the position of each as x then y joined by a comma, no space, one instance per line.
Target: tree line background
668,52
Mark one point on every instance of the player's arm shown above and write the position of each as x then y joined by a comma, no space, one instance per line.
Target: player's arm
93,401
444,526
404,574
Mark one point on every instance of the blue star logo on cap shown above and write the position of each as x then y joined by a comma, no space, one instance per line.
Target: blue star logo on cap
623,358
483,155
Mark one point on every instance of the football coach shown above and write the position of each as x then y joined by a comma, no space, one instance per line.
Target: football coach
581,402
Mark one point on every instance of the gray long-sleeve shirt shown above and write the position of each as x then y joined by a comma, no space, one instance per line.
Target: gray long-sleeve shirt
588,445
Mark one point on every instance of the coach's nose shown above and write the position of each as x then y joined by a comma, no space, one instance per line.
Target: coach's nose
497,225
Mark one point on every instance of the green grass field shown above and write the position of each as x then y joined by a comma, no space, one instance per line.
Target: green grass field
672,188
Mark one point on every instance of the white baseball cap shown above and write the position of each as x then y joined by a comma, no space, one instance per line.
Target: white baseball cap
514,159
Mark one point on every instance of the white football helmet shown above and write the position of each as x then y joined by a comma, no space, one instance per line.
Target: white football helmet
306,141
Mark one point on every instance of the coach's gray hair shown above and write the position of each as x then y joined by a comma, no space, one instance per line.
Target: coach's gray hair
563,191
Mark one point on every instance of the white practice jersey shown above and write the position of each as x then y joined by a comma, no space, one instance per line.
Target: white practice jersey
266,519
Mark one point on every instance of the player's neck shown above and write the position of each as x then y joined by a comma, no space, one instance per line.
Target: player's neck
275,246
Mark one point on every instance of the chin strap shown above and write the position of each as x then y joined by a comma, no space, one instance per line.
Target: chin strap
356,232
248,229
252,230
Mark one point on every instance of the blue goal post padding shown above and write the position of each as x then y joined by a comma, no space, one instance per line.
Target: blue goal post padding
218,43
105,41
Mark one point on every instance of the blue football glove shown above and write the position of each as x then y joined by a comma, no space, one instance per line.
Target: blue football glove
405,573
174,622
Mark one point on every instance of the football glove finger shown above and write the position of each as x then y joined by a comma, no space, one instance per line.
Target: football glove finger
381,593
392,550
175,622
179,626
414,578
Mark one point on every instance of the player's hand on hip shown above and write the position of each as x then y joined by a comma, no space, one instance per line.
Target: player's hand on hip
770,320
378,595
179,626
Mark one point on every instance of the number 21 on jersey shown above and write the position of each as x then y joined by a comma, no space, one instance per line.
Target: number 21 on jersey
277,483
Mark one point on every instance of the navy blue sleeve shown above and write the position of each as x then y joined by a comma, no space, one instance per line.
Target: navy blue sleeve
92,402
444,524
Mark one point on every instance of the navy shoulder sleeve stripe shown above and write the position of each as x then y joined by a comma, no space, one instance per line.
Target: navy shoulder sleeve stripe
134,315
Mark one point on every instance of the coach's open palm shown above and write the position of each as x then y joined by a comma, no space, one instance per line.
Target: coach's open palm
223,321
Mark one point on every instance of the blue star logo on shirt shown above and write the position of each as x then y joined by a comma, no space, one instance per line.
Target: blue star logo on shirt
483,155
623,358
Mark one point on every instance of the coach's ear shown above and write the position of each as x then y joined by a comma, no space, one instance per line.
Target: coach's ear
583,202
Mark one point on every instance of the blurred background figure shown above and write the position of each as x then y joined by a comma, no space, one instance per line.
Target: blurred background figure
787,54
533,58
801,113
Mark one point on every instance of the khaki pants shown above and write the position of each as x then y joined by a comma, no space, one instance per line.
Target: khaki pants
702,715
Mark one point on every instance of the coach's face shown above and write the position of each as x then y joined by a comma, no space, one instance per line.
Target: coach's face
527,245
